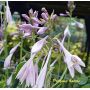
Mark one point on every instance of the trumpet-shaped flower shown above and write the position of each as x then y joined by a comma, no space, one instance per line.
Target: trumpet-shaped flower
72,61
28,73
41,78
42,30
38,45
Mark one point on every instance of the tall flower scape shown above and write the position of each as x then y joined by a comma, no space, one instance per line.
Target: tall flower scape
29,60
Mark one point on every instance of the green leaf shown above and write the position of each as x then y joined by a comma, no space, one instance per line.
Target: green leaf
83,80
86,86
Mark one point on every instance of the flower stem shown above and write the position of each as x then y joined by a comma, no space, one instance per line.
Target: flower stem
60,77
5,33
21,49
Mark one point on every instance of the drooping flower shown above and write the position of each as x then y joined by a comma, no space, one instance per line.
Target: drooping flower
41,78
8,14
8,58
42,30
38,45
28,73
72,61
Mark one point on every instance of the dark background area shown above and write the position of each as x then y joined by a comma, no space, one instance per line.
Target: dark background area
82,10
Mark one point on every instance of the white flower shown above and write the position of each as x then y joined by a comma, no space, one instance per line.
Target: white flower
9,80
7,61
38,45
8,14
41,77
72,61
42,30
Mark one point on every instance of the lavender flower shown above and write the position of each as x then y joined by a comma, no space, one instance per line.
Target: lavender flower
72,61
28,73
42,30
42,75
26,17
38,46
8,58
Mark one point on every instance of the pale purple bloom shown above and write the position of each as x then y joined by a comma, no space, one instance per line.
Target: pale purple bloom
26,17
44,16
35,13
36,20
38,45
8,14
7,61
28,73
72,61
25,27
44,10
41,78
8,58
9,80
62,14
42,30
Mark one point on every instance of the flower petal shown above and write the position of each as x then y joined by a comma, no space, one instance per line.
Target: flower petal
7,61
79,61
78,68
71,70
42,30
14,48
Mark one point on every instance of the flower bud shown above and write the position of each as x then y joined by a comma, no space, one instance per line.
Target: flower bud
26,17
42,30
38,45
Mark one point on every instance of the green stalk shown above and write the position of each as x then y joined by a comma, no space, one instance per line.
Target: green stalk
5,33
21,49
